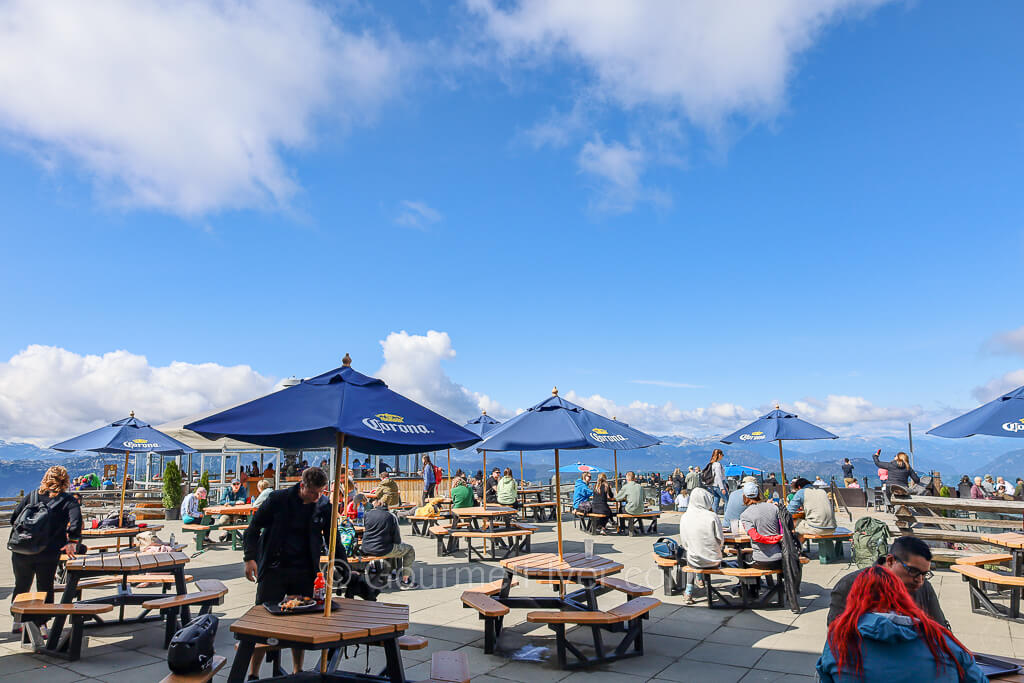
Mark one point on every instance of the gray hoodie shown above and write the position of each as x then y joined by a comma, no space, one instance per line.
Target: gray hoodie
700,532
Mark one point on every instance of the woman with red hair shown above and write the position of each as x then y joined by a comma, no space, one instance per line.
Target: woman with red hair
883,635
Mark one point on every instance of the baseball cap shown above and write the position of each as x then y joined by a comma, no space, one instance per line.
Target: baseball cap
751,490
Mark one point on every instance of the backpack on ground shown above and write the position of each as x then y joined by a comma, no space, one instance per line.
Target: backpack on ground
870,541
32,531
707,475
669,549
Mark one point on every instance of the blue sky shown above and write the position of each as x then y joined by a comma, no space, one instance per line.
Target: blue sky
853,230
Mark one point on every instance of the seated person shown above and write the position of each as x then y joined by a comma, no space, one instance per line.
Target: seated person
386,492
700,535
882,635
462,494
667,498
682,500
910,560
819,516
760,521
268,471
490,485
190,512
631,496
819,482
734,506
506,491
265,488
603,492
383,467
581,492
232,495
357,466
352,509
382,538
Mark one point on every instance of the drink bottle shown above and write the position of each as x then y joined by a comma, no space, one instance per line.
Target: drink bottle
319,589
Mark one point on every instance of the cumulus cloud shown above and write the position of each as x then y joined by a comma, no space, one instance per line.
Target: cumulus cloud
998,386
413,367
48,393
417,215
185,106
702,62
617,169
1011,343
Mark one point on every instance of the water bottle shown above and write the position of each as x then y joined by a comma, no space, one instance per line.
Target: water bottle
360,512
172,542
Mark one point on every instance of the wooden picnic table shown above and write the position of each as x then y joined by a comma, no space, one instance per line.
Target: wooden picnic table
352,622
490,516
1014,542
120,532
122,564
247,510
572,567
525,491
962,504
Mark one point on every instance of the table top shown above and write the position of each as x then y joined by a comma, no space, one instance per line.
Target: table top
123,563
1010,539
349,620
479,511
532,489
737,539
571,566
230,509
120,531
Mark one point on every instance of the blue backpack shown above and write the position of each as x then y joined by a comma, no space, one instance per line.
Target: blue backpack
669,549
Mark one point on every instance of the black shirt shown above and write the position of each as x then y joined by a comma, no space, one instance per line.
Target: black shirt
293,550
380,532
67,518
848,470
924,596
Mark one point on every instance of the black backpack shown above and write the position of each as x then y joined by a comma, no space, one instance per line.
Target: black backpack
707,475
191,648
32,531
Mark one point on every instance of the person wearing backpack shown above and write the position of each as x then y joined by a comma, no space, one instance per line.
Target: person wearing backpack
712,477
46,523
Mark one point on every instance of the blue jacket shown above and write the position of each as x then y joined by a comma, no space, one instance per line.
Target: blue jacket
428,475
581,493
892,651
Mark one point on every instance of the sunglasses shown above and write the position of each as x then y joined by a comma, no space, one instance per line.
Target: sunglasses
914,572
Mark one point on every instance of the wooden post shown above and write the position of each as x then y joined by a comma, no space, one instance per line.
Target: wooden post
782,467
615,454
483,482
521,477
558,505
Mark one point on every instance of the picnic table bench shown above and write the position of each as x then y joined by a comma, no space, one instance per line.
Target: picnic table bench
633,524
830,544
175,608
541,511
33,611
207,674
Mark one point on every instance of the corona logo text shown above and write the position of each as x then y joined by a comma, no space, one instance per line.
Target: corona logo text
602,436
753,436
379,424
1017,426
140,443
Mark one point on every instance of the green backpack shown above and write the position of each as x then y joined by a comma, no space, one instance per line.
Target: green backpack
870,541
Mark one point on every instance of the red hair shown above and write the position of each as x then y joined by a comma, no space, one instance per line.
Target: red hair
877,589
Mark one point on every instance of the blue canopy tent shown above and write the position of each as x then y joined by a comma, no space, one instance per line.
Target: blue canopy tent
557,424
481,426
778,425
338,408
1003,416
127,436
734,470
579,468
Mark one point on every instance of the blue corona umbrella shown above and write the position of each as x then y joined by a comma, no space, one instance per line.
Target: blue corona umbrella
580,468
128,436
339,408
733,470
778,425
1002,417
481,425
557,424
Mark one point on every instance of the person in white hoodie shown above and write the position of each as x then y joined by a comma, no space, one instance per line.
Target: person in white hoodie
700,535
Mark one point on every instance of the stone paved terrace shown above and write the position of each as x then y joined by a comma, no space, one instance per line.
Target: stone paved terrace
682,643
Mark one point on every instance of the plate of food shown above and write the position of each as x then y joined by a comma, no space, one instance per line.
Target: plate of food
293,604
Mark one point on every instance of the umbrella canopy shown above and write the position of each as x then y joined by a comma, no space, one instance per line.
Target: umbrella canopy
129,435
1002,417
733,470
557,423
482,425
579,468
373,418
778,425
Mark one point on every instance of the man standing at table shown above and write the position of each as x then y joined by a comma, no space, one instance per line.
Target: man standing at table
631,495
283,543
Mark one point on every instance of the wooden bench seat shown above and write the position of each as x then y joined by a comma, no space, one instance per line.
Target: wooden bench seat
421,523
492,588
512,542
491,612
632,590
633,525
626,619
449,667
34,610
196,527
174,608
523,526
541,512
979,579
207,674
233,527
981,560
407,642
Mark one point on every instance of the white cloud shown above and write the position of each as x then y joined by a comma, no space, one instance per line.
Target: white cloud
848,410
1011,342
48,393
184,106
666,383
412,367
417,215
998,386
701,62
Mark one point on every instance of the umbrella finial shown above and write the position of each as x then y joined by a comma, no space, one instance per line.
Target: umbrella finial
131,414
554,391
346,362
485,412
613,417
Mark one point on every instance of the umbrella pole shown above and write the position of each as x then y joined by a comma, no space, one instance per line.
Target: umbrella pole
521,477
483,484
449,473
334,530
558,505
124,486
782,468
615,454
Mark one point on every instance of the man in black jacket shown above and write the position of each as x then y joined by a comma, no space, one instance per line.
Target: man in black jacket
910,560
